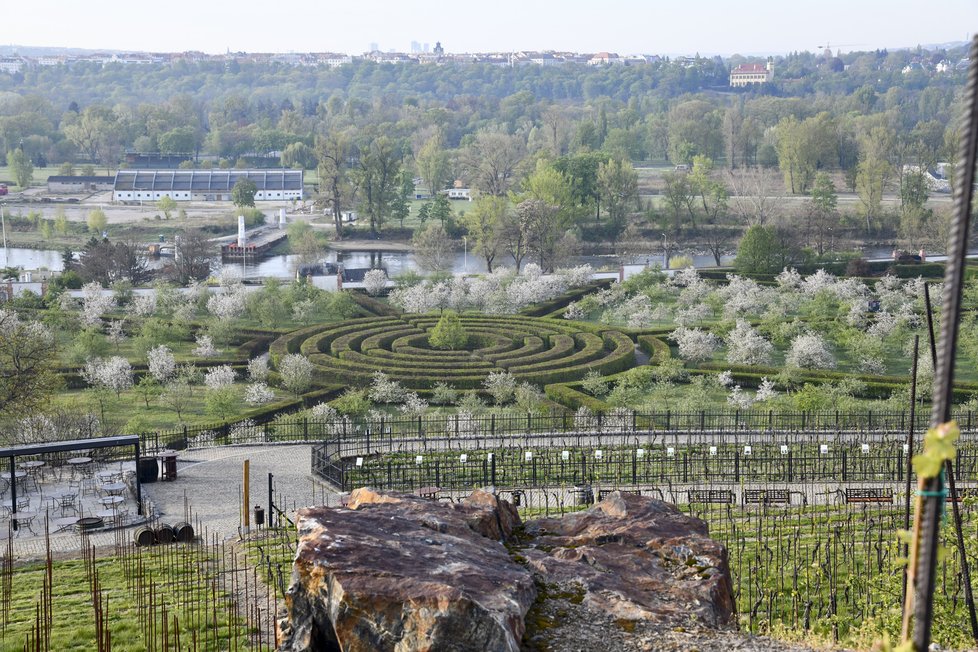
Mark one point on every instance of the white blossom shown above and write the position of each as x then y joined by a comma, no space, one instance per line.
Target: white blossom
820,280
686,277
746,346
739,399
883,325
258,368
95,303
574,311
385,390
296,372
205,347
303,310
258,394
375,281
414,406
229,277
789,279
725,378
228,304
219,377
692,314
695,344
872,365
617,419
162,364
766,390
810,351
501,385
143,305
66,302
324,411
113,373
584,419
116,332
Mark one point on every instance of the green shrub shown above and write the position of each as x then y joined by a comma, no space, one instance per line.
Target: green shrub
448,334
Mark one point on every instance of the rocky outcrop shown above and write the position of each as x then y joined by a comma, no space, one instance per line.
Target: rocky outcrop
396,572
635,558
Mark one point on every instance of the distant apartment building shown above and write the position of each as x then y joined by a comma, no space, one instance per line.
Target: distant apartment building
747,74
11,65
605,59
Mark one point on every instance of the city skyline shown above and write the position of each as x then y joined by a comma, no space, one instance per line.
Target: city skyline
750,27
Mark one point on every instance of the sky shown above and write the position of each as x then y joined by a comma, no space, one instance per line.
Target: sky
624,26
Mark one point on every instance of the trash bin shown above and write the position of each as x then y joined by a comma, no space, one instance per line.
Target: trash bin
259,515
148,470
583,495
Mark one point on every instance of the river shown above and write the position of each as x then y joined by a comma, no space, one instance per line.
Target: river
283,265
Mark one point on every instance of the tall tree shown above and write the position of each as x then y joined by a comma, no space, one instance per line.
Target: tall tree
433,248
914,215
192,259
549,185
333,152
21,167
821,212
492,160
432,162
712,198
872,174
485,222
618,185
680,199
377,177
27,358
243,193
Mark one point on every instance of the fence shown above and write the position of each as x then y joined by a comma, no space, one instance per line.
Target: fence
667,422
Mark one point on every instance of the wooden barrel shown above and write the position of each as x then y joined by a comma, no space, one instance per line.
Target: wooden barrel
184,532
165,534
144,536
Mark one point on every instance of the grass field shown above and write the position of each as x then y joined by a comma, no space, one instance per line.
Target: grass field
181,581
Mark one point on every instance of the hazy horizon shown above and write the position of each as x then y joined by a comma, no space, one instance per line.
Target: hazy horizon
624,26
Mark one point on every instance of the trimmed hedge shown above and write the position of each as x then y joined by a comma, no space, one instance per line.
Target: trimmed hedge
657,349
562,347
568,396
373,306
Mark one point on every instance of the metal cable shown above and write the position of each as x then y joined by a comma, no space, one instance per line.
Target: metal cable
947,347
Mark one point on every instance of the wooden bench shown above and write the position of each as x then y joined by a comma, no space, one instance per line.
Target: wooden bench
880,495
963,493
431,493
712,496
769,496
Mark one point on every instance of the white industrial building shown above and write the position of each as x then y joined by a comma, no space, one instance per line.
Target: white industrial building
204,185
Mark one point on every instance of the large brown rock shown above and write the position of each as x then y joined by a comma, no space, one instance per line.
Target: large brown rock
635,558
396,572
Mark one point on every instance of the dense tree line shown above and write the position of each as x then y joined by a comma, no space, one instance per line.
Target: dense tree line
560,137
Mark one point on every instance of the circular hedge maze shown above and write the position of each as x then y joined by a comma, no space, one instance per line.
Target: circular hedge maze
535,350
